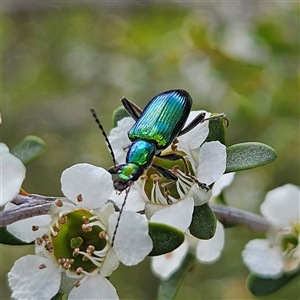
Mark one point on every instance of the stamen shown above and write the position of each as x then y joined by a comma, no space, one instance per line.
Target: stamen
45,237
35,228
159,196
63,219
53,232
97,223
95,260
65,263
102,235
76,252
59,203
90,249
79,198
39,241
42,266
49,246
144,177
102,253
85,220
77,283
86,228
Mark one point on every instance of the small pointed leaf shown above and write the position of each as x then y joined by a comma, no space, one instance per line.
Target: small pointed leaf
264,286
165,238
58,296
119,114
217,131
9,239
248,155
29,149
204,222
169,288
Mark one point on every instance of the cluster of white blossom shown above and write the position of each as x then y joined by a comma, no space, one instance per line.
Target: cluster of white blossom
82,239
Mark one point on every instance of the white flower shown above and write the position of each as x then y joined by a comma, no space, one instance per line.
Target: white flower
163,266
221,184
12,174
81,247
280,253
174,205
207,251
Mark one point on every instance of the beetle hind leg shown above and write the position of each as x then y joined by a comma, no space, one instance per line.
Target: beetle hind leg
218,116
176,156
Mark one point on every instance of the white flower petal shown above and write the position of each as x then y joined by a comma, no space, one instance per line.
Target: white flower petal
197,135
119,139
152,208
93,183
178,214
212,162
94,287
29,281
263,258
110,263
11,176
281,206
132,242
134,202
23,229
222,183
163,266
199,195
104,212
209,251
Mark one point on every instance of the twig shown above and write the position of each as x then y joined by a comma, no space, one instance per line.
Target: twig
26,207
36,205
233,216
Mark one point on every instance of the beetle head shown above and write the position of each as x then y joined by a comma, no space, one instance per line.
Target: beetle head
126,175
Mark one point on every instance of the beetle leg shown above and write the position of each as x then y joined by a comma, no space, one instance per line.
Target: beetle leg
198,119
165,172
133,110
174,145
176,156
222,115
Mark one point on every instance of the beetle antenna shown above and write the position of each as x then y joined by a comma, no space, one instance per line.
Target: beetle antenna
105,136
119,217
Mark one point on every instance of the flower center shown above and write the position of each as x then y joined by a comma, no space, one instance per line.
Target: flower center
290,238
78,241
161,190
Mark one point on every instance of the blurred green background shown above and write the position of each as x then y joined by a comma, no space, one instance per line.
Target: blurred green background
241,58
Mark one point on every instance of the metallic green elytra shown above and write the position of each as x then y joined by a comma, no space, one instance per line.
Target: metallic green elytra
156,128
162,119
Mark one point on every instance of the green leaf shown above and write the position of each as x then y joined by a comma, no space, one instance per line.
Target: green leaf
248,155
165,238
29,149
58,296
169,288
204,222
8,239
217,130
119,114
264,286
